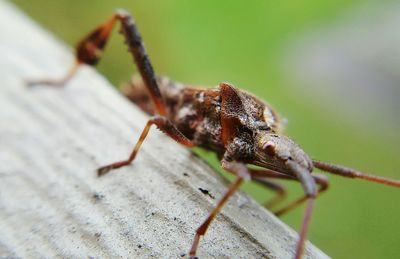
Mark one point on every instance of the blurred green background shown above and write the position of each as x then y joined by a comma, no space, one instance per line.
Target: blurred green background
243,42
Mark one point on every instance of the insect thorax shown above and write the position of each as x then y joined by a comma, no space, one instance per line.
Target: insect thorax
196,112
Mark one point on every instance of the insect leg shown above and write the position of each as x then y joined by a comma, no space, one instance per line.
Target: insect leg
260,175
59,81
279,189
242,173
308,182
310,190
351,173
90,49
320,180
162,124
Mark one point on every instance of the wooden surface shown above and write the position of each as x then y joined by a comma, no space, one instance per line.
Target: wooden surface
52,140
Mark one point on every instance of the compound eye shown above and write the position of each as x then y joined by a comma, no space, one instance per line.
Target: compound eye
269,148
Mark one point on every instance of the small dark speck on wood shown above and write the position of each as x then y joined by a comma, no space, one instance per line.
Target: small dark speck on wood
98,196
206,192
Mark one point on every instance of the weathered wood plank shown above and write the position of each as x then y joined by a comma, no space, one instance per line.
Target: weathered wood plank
52,140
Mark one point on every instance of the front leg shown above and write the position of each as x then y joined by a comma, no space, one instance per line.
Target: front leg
242,173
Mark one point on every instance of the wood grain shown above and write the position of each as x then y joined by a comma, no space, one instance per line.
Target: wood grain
52,140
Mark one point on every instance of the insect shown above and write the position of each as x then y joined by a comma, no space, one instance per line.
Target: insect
240,128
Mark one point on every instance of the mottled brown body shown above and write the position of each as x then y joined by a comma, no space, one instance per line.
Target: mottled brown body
240,128
196,112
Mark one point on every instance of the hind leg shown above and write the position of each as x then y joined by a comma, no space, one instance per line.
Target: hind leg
90,49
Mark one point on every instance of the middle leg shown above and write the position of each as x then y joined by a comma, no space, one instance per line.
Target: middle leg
162,124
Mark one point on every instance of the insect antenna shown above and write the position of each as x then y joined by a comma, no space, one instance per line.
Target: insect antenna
351,173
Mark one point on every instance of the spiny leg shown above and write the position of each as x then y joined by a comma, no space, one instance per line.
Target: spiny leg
351,173
242,173
90,49
165,126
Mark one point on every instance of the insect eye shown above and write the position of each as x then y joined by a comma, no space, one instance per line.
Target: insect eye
269,148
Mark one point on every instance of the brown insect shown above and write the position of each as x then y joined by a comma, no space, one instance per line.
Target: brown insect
240,128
